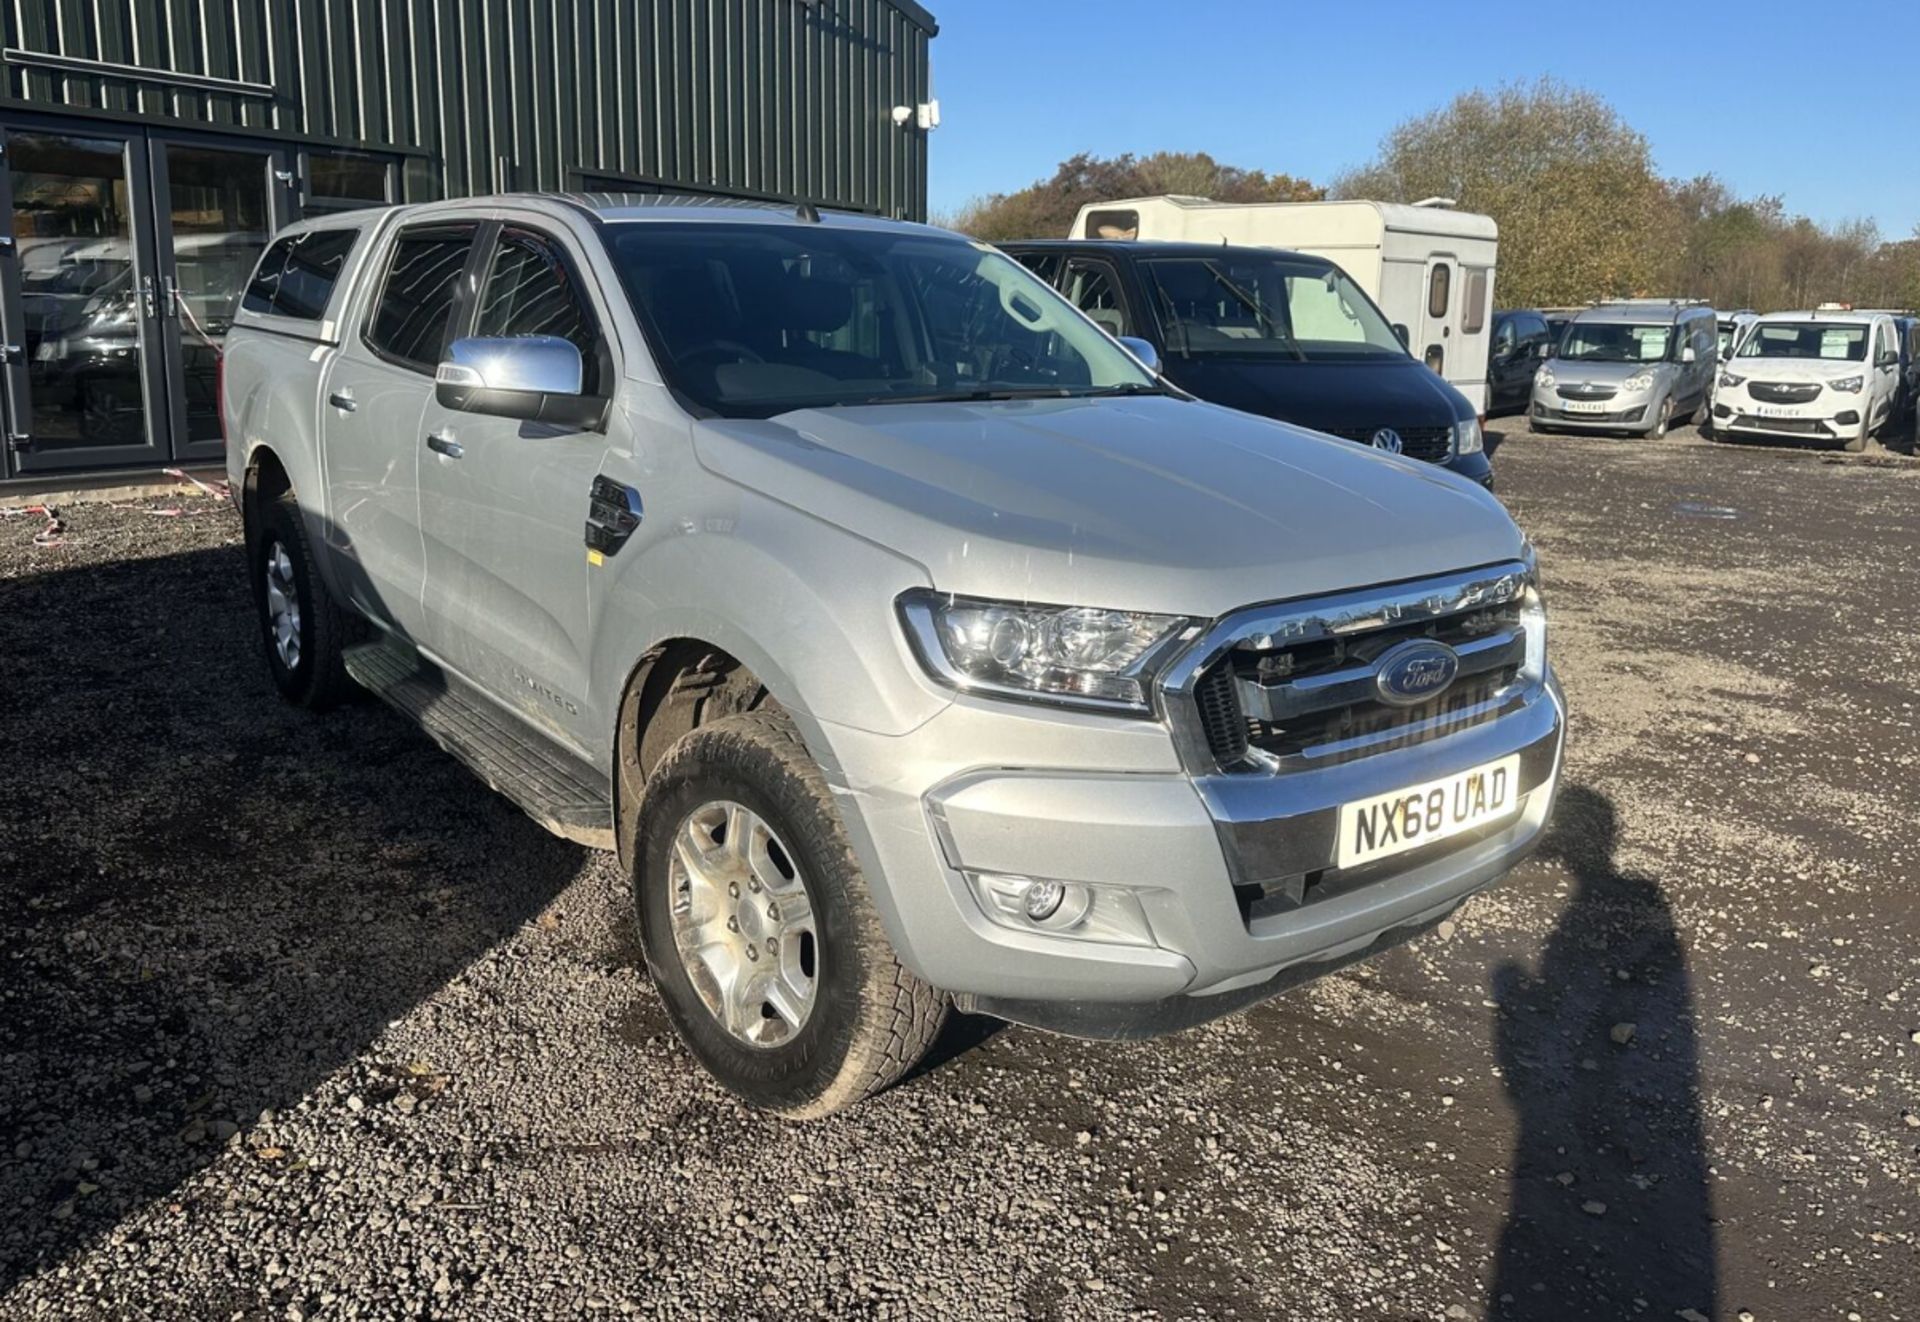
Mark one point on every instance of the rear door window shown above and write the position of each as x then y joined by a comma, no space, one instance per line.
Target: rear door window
409,323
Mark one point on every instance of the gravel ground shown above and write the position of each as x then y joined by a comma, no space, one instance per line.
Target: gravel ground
296,1020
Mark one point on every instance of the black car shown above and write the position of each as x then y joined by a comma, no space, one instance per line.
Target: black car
1276,333
1521,339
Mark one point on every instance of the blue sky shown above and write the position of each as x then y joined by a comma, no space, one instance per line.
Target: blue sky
1813,102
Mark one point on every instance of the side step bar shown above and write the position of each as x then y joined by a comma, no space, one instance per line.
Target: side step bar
552,786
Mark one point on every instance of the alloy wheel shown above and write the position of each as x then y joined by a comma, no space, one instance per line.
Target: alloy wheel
743,924
283,606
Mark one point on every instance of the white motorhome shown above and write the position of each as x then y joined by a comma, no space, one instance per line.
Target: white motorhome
1428,267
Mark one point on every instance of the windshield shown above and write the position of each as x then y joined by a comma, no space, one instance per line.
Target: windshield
1237,305
1615,342
1806,340
754,320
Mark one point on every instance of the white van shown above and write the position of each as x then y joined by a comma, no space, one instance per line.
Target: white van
1429,268
1821,375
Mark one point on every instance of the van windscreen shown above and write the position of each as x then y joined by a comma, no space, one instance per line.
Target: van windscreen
1251,306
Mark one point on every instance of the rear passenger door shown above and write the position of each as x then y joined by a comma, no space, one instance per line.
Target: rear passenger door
503,503
372,395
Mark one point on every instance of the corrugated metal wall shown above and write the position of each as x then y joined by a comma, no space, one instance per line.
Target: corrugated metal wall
783,97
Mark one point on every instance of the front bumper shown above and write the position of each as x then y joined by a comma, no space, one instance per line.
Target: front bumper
995,789
1475,467
1620,414
1819,421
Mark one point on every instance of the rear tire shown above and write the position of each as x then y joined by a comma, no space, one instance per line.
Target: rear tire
302,630
737,822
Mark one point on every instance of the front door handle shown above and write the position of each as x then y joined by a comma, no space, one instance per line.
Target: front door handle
442,442
341,400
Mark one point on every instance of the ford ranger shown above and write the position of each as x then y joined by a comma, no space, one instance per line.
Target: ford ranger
915,645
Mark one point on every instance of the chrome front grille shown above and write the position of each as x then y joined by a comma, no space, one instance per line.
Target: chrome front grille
1292,686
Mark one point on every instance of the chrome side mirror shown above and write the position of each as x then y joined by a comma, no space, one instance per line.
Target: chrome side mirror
1143,350
535,378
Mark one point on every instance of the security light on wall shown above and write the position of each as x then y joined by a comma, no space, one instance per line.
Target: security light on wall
925,116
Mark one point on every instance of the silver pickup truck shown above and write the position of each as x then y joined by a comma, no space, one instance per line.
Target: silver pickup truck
912,641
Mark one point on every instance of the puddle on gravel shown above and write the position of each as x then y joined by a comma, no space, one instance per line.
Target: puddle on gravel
1694,509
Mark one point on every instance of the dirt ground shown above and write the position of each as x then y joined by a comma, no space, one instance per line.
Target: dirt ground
297,1020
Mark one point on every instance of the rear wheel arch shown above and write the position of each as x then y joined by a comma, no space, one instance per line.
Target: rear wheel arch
266,479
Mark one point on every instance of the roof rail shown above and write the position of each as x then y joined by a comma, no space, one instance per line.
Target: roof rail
1652,302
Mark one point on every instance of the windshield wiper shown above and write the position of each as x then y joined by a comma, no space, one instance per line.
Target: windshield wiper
1124,388
978,394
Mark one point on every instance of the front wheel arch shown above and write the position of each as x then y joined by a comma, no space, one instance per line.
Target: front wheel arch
679,685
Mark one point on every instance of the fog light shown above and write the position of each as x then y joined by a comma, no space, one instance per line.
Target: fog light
1062,908
1847,419
1042,899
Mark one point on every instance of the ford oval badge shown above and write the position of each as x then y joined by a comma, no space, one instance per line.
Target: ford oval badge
1416,671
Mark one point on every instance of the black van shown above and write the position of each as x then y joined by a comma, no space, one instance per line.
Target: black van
1265,331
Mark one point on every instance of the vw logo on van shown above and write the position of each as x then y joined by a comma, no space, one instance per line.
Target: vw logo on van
1416,671
1387,439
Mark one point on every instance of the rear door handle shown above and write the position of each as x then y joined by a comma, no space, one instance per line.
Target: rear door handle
442,442
341,400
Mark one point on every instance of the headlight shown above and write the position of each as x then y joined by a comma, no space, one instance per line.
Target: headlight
1078,656
1533,615
1544,377
1638,381
1731,379
1467,438
1849,384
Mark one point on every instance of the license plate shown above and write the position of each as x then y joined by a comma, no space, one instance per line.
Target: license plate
1776,411
1421,814
1587,406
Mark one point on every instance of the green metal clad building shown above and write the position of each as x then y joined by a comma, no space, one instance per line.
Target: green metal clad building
149,147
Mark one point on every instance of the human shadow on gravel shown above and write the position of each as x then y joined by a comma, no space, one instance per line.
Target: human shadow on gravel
212,902
1610,1203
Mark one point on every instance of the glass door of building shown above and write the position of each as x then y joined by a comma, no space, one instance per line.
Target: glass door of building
125,253
215,207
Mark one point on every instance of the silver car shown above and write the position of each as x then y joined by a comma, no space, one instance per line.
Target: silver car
911,641
1636,366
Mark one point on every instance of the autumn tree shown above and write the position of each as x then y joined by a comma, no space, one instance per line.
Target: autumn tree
1045,209
1572,187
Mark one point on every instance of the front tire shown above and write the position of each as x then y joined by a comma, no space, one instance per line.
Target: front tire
1662,420
303,631
759,930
